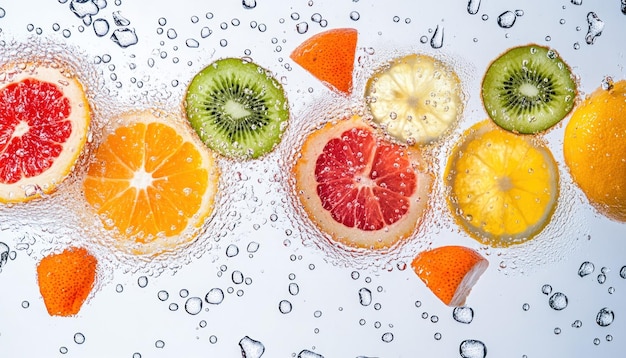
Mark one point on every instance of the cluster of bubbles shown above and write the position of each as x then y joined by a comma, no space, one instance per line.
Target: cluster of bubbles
88,11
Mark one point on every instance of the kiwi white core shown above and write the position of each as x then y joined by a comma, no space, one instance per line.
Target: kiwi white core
235,109
528,90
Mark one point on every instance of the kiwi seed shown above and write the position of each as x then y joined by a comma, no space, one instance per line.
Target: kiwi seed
237,108
528,89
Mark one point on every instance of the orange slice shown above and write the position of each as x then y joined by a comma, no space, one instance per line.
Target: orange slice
329,56
65,280
44,119
594,147
450,272
153,181
362,191
503,187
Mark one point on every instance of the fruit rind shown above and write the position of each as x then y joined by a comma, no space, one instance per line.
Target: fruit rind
351,237
29,188
416,98
450,272
241,70
310,51
559,80
594,147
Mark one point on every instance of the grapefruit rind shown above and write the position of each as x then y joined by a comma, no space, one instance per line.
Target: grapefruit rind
352,237
416,98
29,188
152,246
492,215
450,272
329,57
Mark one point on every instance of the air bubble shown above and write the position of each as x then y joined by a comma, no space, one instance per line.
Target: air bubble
163,295
100,27
365,296
251,348
546,289
159,344
308,354
232,250
437,40
253,247
171,34
205,32
284,306
302,27
142,281
387,337
124,37
595,27
192,43
355,16
120,20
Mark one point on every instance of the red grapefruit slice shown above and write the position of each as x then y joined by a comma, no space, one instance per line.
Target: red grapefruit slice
44,118
362,191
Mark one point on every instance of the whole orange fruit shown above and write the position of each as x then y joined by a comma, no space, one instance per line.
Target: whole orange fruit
595,149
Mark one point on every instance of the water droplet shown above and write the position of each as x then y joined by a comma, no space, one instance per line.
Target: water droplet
213,339
119,288
546,289
205,32
183,293
192,43
253,247
173,307
506,20
596,341
251,348
605,317
526,307
355,16
232,250
159,344
365,296
577,2
463,314
436,41
308,354
557,330
248,4
623,7
595,27
622,271
387,337
215,296
193,305
284,306
577,324
302,27
142,281
82,8
25,304
4,254
2,13
63,350
472,348
79,338
294,289
473,6
124,37
585,269
100,27
576,46
558,301
120,20
163,295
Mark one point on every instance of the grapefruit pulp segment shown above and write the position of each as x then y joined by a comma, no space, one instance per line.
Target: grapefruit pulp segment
44,119
359,189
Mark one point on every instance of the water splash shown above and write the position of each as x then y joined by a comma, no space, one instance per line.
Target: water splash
595,28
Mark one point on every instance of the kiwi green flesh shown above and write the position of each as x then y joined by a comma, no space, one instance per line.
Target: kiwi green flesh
237,108
528,89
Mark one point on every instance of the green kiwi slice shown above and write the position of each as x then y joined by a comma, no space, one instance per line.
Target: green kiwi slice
528,89
237,108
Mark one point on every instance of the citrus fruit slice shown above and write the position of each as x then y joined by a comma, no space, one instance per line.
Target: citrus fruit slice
329,56
44,119
153,181
503,186
594,148
362,191
65,280
416,98
450,272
